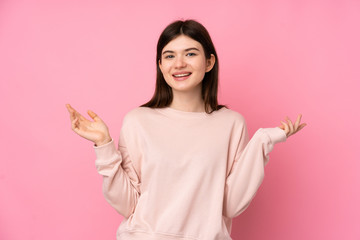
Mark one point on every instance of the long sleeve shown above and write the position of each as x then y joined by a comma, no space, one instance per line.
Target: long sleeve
247,170
121,184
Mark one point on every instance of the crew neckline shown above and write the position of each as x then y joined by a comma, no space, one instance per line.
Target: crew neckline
180,113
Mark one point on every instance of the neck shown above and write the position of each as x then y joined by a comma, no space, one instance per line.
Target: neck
188,101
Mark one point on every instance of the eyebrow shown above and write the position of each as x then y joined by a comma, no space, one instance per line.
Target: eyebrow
186,50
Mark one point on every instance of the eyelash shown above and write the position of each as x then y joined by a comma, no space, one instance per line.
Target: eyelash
172,56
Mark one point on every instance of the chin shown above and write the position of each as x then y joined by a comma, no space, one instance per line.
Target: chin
183,86
186,88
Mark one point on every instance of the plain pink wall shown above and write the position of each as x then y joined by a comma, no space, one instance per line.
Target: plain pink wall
277,58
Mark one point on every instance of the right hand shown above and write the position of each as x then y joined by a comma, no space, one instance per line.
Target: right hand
95,131
292,128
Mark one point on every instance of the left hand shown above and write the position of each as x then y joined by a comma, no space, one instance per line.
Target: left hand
291,128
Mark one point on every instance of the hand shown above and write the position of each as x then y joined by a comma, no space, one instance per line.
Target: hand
95,131
291,128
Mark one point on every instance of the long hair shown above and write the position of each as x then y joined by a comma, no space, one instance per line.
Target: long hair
163,95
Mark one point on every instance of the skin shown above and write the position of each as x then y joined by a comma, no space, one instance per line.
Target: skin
182,54
292,128
95,131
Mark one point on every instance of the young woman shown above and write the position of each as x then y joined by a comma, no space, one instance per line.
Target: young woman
184,166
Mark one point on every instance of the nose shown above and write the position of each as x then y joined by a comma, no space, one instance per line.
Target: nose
180,62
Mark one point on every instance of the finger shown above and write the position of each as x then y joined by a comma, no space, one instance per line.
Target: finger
302,126
82,118
74,124
73,113
70,108
94,115
297,122
290,124
78,115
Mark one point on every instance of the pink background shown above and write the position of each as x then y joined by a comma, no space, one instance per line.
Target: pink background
277,58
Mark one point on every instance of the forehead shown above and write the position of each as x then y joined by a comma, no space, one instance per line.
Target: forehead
181,43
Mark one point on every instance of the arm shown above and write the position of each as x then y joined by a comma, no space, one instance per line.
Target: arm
121,184
247,171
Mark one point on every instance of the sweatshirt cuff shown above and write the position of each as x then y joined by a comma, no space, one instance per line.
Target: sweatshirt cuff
276,134
105,151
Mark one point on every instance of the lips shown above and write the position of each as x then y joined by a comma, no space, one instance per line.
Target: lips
181,74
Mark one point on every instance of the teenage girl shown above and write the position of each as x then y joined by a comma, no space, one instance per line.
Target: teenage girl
184,166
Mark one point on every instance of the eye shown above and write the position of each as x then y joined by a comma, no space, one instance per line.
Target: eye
191,54
169,56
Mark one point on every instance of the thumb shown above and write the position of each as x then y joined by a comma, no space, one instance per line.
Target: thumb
93,115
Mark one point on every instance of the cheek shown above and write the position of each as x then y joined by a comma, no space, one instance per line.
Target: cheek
164,68
199,63
200,66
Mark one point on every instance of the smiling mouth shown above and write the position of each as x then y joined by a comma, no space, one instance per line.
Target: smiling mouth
182,75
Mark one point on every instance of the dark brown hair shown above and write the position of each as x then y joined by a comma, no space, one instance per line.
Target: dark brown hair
163,95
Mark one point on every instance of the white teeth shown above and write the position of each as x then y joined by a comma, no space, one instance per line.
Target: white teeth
182,75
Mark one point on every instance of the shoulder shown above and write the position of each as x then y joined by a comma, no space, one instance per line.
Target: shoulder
232,115
138,111
136,114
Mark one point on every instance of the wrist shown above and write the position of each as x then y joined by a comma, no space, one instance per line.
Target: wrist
103,142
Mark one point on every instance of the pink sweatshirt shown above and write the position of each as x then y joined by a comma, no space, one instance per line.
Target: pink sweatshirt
183,175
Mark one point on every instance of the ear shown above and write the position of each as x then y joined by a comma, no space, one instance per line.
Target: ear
160,65
210,63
